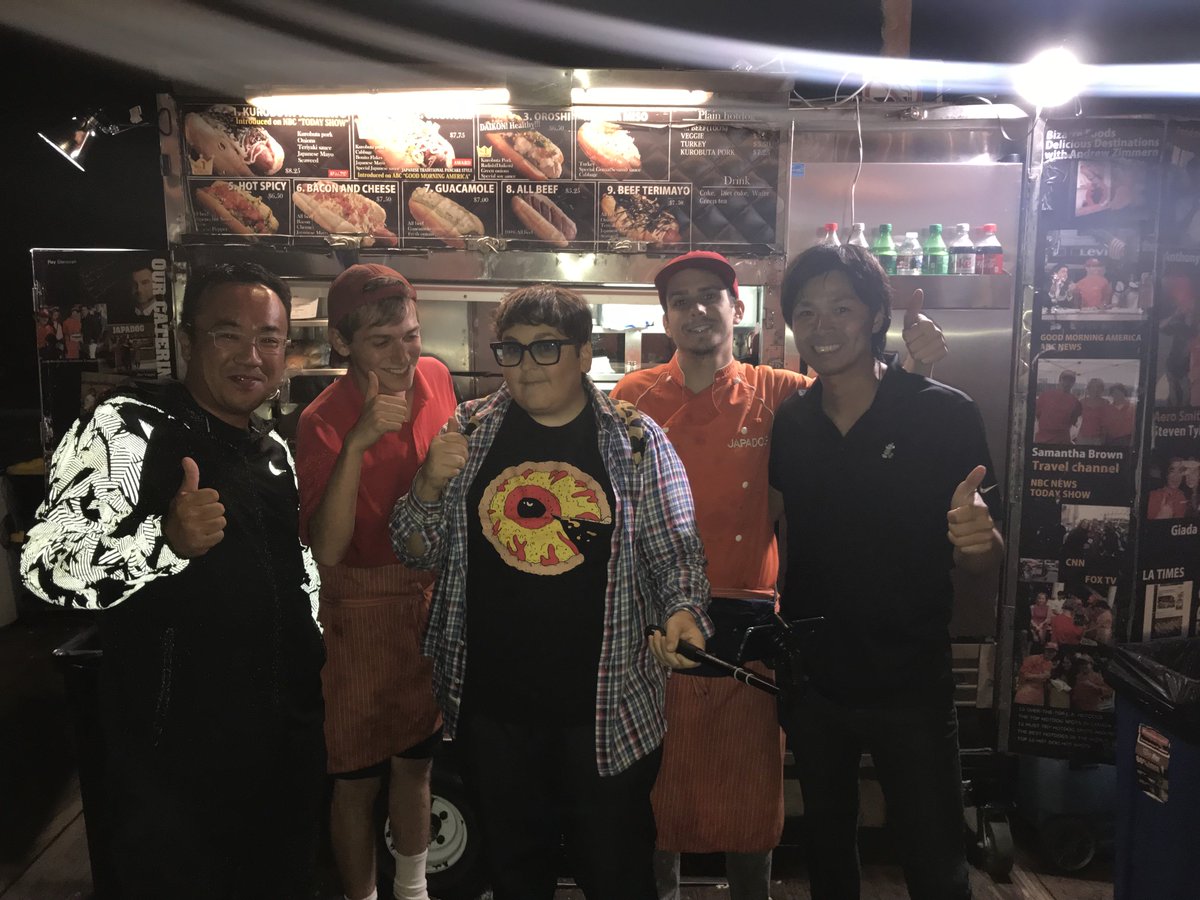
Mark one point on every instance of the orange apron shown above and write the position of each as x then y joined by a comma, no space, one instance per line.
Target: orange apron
378,688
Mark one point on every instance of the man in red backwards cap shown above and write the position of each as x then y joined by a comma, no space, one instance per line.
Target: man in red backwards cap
358,446
720,788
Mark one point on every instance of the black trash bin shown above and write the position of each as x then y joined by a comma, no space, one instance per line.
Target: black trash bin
1158,769
79,662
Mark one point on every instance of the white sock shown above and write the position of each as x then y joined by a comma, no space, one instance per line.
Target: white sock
374,895
410,877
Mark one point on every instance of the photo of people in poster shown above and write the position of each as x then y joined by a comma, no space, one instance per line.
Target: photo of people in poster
100,317
1086,402
1090,390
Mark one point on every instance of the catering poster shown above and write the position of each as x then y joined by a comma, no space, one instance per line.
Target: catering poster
101,318
585,179
1090,396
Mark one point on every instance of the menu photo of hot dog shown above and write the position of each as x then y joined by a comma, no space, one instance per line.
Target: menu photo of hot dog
653,213
360,209
408,144
222,140
559,214
627,143
450,212
239,206
527,145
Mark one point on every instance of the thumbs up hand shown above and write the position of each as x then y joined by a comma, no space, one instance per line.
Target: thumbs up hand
971,528
195,521
446,458
381,414
925,342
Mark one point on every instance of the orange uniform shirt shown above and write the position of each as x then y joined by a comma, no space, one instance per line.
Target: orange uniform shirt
722,435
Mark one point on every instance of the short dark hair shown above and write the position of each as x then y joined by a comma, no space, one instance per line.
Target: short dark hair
206,278
546,304
862,270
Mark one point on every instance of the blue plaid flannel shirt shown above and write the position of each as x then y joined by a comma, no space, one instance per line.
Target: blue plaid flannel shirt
657,568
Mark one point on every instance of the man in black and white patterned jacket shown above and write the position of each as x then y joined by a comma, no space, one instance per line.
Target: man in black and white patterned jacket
173,512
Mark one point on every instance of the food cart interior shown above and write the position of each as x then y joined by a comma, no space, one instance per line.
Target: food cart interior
856,159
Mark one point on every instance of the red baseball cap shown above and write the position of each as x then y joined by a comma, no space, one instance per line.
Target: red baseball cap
352,289
697,259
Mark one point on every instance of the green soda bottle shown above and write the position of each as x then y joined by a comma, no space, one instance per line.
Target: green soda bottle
884,249
937,259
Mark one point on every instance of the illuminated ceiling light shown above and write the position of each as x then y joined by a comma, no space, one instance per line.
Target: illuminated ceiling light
443,102
1051,78
635,96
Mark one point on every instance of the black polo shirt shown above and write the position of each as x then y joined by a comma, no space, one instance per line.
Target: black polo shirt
867,545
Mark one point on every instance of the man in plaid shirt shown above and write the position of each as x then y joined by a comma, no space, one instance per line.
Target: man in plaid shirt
562,527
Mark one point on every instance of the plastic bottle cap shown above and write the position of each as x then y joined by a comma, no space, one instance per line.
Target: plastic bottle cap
933,228
858,225
909,234
989,227
831,226
963,226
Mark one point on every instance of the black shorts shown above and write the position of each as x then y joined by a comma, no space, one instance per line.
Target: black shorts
426,749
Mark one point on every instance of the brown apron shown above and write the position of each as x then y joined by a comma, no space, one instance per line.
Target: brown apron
378,688
720,788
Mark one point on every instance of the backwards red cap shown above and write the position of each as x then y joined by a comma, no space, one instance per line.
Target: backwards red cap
350,289
697,259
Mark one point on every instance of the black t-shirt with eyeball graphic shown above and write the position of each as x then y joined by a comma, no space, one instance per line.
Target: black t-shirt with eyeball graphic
540,516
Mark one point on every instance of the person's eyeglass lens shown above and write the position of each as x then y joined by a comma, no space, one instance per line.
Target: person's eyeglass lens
544,353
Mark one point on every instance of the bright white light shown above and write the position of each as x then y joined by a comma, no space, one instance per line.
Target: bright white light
1051,78
634,96
444,103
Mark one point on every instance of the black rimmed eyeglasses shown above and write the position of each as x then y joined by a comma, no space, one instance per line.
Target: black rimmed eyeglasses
545,352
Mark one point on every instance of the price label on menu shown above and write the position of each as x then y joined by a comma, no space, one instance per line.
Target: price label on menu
654,213
365,209
555,214
623,143
449,213
241,206
414,146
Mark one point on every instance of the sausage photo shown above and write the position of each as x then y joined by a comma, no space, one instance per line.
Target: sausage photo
233,149
443,217
344,212
610,146
240,211
531,153
542,216
640,218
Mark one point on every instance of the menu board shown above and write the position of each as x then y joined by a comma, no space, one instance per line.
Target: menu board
583,179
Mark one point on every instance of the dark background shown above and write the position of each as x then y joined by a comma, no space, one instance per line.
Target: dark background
118,201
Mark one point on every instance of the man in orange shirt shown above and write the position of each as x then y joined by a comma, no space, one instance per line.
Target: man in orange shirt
720,787
1093,290
1058,409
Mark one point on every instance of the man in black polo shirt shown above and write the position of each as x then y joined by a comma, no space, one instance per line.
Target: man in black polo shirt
884,465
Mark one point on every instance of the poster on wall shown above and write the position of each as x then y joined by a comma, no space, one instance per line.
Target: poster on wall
1169,546
1091,391
101,319
583,179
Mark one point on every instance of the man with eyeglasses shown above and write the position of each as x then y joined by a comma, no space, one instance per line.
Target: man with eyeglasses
562,529
172,512
720,789
358,446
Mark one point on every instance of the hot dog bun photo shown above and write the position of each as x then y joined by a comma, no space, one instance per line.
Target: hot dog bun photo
443,217
610,146
345,212
532,154
406,142
240,211
641,218
542,216
234,149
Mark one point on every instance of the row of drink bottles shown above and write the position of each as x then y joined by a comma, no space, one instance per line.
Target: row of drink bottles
961,256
